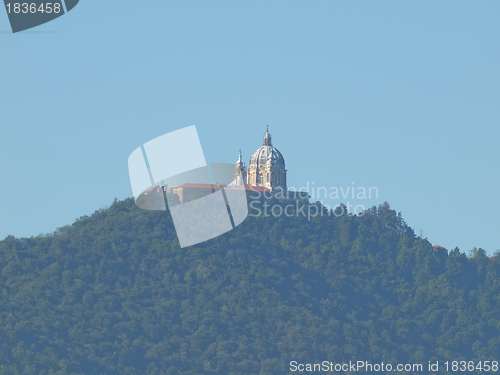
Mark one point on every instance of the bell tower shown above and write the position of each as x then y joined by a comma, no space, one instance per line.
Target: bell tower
240,172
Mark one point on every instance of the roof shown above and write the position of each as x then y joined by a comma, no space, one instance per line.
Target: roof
221,186
245,187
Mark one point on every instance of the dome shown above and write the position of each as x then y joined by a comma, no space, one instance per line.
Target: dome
267,153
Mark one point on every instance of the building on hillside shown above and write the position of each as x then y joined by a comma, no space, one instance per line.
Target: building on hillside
265,178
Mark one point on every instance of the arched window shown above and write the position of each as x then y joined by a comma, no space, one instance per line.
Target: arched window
261,178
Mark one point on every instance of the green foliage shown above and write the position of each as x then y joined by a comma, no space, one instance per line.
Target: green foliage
114,294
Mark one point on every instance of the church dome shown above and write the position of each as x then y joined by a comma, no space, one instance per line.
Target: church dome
267,154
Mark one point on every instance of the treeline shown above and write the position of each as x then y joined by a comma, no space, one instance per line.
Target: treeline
114,294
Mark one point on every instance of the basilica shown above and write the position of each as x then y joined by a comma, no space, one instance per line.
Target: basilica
266,169
264,178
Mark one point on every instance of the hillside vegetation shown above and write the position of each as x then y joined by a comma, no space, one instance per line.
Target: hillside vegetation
114,294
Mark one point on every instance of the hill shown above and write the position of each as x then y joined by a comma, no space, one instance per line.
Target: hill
114,294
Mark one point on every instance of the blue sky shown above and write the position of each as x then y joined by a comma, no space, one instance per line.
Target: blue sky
398,95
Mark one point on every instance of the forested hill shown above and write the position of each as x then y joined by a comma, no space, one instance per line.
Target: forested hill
114,294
